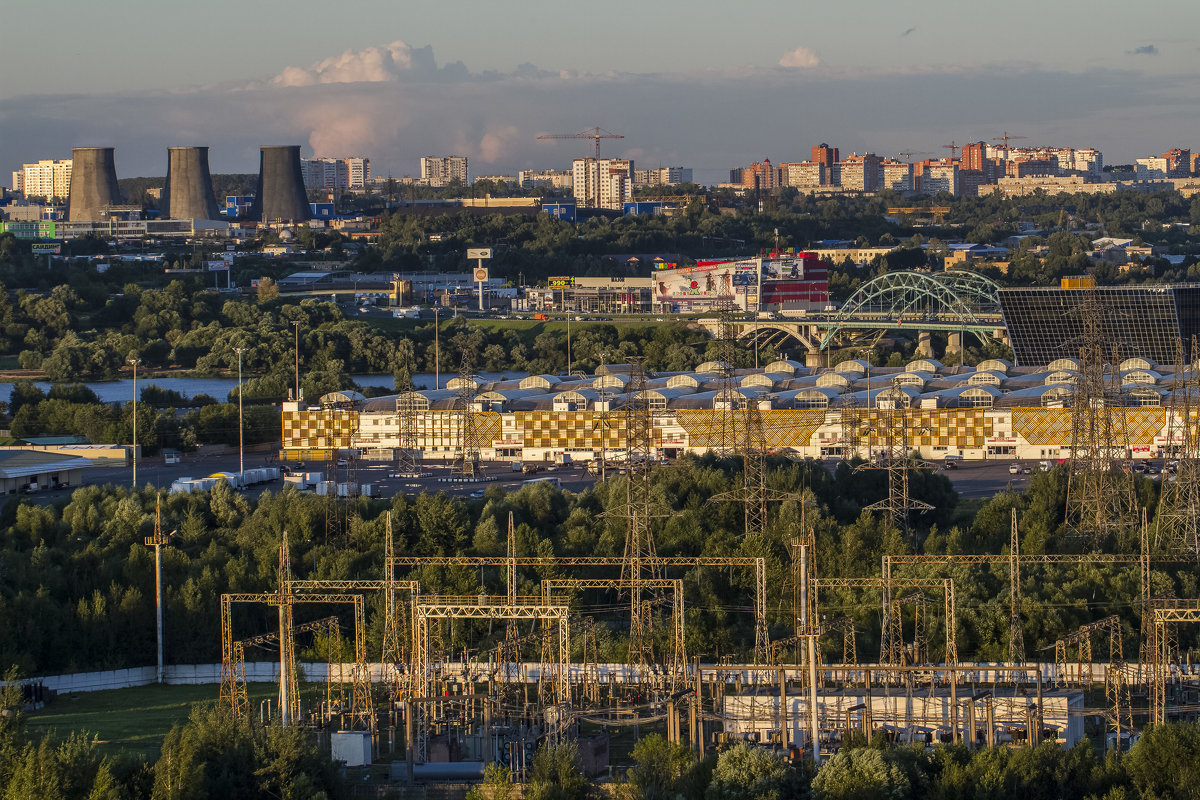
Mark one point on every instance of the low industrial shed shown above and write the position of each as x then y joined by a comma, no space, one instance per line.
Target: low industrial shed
36,470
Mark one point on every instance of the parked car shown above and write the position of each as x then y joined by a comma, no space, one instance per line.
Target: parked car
1014,469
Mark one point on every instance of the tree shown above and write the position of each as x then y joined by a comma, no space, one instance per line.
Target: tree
267,290
556,774
863,773
1165,763
497,784
658,767
751,773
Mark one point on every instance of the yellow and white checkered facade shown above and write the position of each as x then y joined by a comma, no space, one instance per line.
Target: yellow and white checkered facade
540,435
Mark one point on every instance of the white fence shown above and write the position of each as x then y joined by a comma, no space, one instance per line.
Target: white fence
268,672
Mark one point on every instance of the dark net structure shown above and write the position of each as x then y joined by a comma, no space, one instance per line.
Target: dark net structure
1046,323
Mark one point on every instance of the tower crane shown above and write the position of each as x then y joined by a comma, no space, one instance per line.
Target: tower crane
953,148
908,154
596,134
1006,138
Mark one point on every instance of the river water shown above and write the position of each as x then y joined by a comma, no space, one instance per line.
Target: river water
121,391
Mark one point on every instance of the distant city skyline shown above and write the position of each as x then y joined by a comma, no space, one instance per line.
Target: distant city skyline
709,91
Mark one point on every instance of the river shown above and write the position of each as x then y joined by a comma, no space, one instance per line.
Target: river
219,388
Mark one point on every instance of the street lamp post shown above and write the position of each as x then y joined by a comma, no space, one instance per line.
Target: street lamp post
157,541
296,325
135,362
241,448
437,353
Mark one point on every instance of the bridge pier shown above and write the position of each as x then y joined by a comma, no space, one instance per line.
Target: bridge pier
954,343
813,358
925,344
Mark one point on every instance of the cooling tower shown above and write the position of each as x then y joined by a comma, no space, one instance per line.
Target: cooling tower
93,183
188,193
280,194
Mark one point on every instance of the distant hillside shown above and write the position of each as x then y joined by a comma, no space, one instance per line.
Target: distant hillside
134,189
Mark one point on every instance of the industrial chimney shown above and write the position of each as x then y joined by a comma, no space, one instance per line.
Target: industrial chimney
280,194
93,183
189,190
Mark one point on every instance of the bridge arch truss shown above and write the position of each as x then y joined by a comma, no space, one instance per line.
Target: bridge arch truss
952,299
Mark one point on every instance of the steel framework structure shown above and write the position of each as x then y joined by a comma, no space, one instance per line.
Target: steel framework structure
958,298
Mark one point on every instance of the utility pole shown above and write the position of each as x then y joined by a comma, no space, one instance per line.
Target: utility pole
437,353
241,443
135,361
157,541
296,325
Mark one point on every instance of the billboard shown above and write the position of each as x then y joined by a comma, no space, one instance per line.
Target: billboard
561,282
706,282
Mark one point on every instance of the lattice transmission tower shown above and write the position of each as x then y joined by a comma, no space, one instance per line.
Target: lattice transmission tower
1177,523
893,427
465,466
1099,489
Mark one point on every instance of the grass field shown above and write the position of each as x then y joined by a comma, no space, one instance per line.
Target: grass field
133,721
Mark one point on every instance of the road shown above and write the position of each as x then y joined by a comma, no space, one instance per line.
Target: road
972,479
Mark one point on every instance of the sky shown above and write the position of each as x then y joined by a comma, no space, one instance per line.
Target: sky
707,85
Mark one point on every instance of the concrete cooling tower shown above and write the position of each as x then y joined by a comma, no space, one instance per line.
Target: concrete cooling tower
188,193
93,183
280,194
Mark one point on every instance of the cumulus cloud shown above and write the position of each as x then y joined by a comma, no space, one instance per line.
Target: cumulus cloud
1144,50
666,118
497,145
801,57
372,65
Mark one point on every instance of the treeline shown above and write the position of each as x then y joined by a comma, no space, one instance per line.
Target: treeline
78,591
213,755
165,419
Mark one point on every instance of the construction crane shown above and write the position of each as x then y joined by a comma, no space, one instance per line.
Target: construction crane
908,154
596,134
1005,138
953,148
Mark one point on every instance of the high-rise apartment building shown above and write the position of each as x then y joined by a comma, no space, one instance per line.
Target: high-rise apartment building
604,183
1089,161
803,174
896,176
939,176
552,178
860,173
662,176
46,178
824,154
442,170
973,156
1179,162
335,173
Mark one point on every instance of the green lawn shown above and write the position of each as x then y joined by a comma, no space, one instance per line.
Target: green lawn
133,721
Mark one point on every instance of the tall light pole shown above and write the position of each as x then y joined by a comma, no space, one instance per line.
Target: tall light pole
296,325
157,541
135,362
437,353
241,449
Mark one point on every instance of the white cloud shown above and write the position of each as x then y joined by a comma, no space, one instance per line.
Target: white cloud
498,144
801,57
373,65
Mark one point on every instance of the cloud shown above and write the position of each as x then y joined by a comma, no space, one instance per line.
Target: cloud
1144,50
908,31
801,57
667,119
373,65
497,145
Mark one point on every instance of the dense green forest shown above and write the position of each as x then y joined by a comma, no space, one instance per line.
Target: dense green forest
77,592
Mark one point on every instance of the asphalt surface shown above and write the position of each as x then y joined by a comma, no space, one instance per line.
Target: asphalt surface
972,479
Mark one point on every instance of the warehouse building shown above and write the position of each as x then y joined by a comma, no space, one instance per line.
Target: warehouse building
993,411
